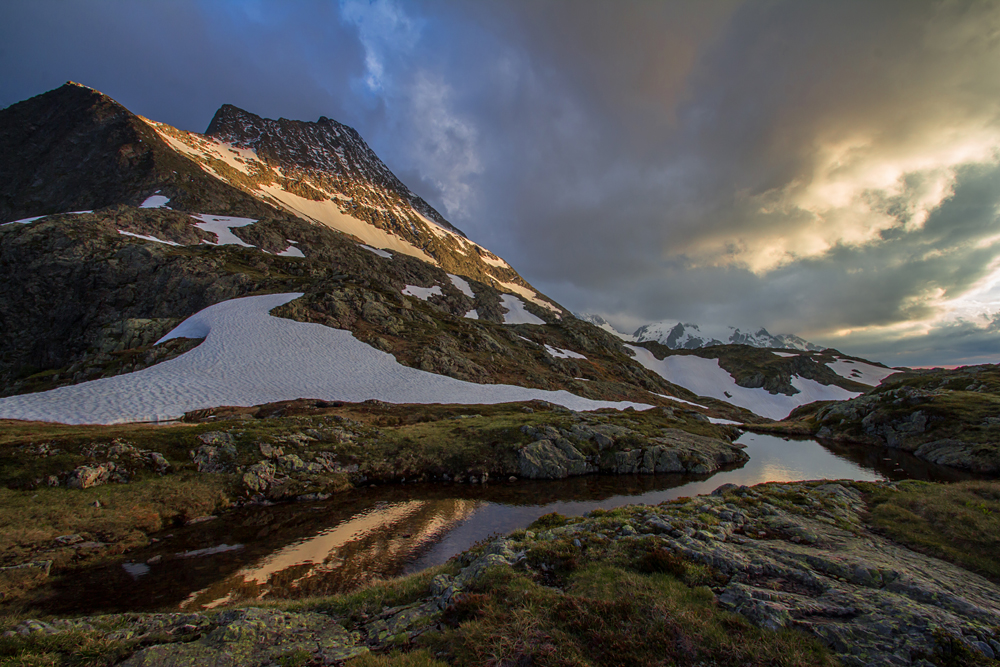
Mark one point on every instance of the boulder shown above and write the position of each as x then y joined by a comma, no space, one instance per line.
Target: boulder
256,637
214,459
85,477
544,459
259,477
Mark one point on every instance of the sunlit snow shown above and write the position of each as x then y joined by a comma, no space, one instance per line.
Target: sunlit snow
472,315
328,213
705,377
248,358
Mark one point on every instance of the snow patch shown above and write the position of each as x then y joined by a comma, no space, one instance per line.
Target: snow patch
705,377
528,294
516,312
681,400
147,238
248,358
860,371
380,253
156,201
221,226
422,293
462,285
494,261
563,354
25,221
784,354
729,422
291,251
472,315
328,214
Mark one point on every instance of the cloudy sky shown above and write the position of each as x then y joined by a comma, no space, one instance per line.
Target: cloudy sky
830,168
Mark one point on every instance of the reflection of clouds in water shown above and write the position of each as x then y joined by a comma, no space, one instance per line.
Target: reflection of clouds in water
772,459
319,550
367,545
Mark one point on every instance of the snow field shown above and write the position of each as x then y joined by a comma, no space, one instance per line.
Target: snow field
248,358
705,377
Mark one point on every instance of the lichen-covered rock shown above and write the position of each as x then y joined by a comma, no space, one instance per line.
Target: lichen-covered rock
217,438
259,477
674,452
812,564
85,477
215,459
544,459
252,637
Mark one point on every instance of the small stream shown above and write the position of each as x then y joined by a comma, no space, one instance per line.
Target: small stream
307,549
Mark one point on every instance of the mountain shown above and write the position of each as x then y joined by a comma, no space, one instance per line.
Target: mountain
602,323
685,336
148,272
131,251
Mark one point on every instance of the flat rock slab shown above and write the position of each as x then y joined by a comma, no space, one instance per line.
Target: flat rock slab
239,638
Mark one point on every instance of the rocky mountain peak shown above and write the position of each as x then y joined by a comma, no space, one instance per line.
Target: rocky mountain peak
688,336
330,156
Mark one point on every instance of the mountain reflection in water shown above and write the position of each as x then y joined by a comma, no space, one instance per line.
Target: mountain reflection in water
307,549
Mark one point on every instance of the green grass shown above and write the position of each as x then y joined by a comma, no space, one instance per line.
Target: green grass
608,615
354,608
958,522
30,522
65,649
418,658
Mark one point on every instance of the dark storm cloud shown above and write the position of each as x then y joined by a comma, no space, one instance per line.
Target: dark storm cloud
179,61
805,166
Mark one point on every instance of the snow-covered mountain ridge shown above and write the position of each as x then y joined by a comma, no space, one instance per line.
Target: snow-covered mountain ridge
686,336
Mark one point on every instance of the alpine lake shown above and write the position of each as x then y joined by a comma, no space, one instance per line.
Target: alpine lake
298,550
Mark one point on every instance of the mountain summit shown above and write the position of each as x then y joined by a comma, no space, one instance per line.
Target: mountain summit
331,157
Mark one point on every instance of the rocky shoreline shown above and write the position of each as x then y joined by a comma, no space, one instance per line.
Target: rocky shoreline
782,556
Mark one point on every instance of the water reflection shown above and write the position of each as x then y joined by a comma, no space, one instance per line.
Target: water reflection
300,550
